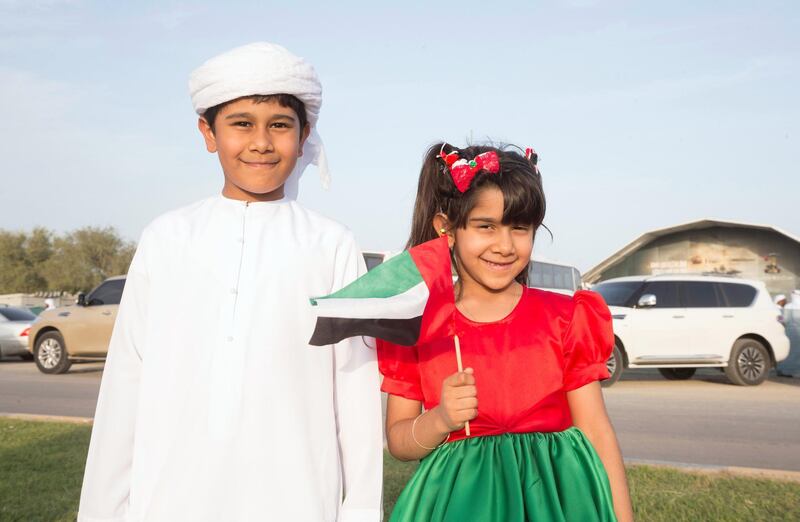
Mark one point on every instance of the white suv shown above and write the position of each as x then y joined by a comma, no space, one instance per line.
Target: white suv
678,323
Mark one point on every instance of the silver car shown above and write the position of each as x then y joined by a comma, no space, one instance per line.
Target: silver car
15,325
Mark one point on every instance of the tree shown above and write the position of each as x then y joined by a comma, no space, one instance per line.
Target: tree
20,261
79,260
84,258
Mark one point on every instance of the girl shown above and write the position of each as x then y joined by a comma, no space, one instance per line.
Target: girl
538,444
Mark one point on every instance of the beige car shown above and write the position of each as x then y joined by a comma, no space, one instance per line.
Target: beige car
79,332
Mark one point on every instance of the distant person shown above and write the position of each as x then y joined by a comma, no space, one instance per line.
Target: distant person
49,303
213,407
790,367
540,444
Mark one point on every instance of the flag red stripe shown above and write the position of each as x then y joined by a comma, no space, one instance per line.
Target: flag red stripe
432,259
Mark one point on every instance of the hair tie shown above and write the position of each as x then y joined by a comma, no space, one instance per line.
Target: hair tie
531,156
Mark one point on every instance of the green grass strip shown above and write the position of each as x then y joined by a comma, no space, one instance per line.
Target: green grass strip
41,469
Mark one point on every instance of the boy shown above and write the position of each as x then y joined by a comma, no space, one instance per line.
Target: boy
213,407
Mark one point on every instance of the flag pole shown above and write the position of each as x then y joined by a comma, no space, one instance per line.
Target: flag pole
460,369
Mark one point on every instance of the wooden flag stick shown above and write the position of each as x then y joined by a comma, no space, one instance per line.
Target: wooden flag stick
460,369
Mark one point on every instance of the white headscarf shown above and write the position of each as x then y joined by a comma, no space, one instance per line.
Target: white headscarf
265,68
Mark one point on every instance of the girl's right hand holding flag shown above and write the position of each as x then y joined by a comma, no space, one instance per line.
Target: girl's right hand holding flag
412,435
459,401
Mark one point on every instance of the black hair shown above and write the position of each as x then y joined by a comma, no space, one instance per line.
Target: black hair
284,100
518,179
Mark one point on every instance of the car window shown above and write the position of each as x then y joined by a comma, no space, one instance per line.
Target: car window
617,294
576,278
552,276
108,293
17,314
372,260
548,277
700,294
666,293
562,277
738,295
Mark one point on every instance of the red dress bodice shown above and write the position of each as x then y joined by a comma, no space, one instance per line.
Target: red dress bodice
524,363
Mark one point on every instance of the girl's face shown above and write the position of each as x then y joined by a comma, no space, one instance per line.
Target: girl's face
490,254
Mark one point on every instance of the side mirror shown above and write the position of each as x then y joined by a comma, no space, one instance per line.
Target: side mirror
646,301
81,301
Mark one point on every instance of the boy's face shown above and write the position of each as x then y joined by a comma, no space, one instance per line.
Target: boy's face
258,145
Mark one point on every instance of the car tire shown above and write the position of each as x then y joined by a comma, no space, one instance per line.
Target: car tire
615,365
50,353
749,363
677,374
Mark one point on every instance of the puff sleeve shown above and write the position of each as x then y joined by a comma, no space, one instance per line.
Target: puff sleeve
587,341
398,365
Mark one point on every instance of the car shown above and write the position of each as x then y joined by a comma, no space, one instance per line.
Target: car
554,277
678,323
79,332
373,258
15,325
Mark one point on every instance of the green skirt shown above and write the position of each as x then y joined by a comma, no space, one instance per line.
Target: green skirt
513,477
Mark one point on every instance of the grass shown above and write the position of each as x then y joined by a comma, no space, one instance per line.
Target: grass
41,468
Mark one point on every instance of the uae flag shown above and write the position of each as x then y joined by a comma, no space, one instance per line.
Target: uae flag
406,300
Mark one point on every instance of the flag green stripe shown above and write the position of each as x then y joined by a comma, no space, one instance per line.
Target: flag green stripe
393,277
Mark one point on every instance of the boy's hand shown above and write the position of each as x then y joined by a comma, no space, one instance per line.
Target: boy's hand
459,400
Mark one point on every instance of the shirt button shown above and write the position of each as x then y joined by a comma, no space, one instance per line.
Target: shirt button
233,290
229,339
240,240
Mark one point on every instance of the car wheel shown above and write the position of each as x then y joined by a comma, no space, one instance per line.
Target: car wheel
50,353
749,363
615,366
677,374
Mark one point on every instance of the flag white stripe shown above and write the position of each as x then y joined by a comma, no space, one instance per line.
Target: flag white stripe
407,305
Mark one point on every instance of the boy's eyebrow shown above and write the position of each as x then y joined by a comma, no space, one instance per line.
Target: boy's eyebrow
486,219
282,116
238,115
250,115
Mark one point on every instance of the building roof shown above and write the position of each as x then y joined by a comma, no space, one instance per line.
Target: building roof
594,273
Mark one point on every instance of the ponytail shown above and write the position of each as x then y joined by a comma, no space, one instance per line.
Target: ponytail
434,189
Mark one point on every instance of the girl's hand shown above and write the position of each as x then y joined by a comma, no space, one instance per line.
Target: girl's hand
459,400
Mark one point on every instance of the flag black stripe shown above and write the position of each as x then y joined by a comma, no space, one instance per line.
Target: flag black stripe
330,330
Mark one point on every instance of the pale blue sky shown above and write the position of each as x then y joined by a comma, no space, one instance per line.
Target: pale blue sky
645,114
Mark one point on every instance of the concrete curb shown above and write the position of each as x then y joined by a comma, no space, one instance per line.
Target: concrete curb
735,471
46,418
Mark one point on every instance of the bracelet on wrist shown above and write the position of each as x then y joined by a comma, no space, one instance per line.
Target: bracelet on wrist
413,436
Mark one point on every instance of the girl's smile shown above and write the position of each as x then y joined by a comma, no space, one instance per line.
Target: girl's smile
499,266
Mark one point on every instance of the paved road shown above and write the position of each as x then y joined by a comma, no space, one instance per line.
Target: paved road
24,389
702,421
707,420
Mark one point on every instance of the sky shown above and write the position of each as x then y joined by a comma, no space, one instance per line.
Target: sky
644,114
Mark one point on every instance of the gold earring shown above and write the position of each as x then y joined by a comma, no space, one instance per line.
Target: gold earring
442,231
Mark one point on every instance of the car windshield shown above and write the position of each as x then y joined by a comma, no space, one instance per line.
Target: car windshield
617,294
17,314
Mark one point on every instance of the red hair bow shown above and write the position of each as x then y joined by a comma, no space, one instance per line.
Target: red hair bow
462,171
